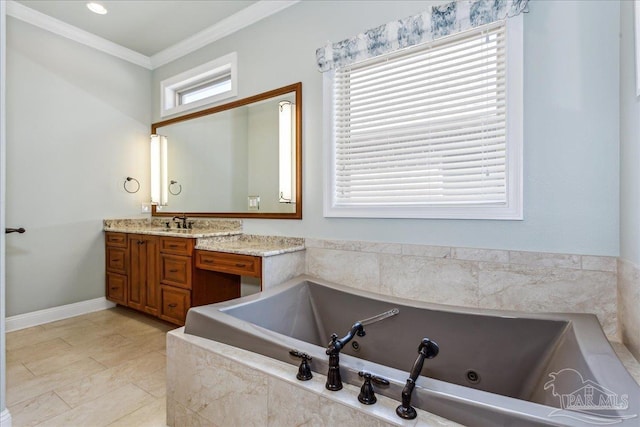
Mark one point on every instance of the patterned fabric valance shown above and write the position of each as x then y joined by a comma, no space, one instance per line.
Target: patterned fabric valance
432,24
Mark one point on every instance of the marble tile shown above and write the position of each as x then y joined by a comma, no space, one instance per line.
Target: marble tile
381,248
197,384
92,345
25,337
110,357
105,410
629,305
599,263
280,268
628,360
101,383
44,383
155,383
292,406
427,251
33,411
342,415
55,362
152,414
541,259
357,269
16,374
310,242
444,281
539,289
488,255
38,351
184,417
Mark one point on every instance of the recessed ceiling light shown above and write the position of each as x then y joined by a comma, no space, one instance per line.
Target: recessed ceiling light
97,8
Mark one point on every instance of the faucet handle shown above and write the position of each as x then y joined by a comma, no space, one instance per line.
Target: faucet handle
367,395
304,371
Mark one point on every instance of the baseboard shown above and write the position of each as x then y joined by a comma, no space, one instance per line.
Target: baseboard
5,418
39,317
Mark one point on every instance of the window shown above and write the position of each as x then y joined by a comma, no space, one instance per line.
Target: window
203,85
432,131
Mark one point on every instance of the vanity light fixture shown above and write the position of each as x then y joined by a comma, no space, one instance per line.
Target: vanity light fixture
159,184
285,148
97,8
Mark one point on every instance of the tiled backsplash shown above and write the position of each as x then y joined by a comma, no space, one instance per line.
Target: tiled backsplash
484,278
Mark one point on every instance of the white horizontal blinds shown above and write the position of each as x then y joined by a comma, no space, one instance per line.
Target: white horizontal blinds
425,125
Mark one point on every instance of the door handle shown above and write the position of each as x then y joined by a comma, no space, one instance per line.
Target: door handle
14,230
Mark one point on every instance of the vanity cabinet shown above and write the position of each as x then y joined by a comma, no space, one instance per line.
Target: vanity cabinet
158,275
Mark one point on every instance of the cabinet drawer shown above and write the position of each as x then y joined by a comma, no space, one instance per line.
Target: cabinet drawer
116,239
117,260
176,246
117,288
175,270
174,304
244,265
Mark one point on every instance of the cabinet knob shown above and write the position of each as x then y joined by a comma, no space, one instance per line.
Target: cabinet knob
173,305
175,270
241,265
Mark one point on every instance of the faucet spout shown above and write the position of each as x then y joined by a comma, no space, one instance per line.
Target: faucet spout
426,350
183,218
334,381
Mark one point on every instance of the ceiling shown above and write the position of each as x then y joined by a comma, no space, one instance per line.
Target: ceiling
144,26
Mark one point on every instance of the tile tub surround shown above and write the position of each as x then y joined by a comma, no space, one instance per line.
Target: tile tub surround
201,227
213,384
629,305
480,278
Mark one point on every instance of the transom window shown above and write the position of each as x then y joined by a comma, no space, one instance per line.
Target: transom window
432,131
200,86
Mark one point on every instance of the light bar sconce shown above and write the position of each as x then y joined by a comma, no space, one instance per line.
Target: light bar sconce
286,164
159,184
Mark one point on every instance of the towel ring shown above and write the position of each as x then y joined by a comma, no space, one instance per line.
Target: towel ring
179,190
128,179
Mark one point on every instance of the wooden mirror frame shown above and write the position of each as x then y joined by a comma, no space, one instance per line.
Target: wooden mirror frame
297,88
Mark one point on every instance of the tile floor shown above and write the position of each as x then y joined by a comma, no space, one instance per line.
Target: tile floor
100,369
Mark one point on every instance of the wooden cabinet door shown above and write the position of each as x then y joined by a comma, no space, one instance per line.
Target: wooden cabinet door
137,271
144,284
152,276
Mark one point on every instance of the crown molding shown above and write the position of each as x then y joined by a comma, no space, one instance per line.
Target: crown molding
233,23
63,29
250,15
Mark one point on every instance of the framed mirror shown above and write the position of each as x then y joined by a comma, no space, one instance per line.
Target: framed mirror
242,159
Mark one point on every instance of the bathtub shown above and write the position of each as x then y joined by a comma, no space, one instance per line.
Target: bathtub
493,368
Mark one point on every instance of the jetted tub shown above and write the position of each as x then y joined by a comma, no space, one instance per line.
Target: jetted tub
493,368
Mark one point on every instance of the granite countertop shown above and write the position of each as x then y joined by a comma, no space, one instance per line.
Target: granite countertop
251,244
157,226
